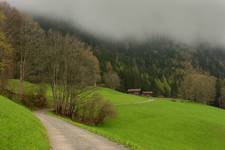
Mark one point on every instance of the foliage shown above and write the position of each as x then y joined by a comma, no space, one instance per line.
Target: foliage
26,38
20,129
93,110
221,98
35,95
111,78
198,87
71,67
159,64
139,65
5,57
35,99
163,87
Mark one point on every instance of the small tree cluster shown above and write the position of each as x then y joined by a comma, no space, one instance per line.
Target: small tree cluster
26,38
198,87
71,68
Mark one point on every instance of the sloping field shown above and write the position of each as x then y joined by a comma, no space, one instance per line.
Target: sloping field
20,129
163,124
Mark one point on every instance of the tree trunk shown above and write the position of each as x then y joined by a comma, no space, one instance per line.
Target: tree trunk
21,77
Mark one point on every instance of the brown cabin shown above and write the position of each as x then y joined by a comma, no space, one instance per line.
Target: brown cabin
147,93
134,91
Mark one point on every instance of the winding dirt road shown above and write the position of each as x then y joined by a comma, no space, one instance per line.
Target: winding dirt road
64,136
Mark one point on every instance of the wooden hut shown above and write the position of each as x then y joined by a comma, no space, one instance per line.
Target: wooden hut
147,93
134,91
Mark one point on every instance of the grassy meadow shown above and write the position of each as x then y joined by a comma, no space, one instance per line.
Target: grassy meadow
157,123
162,124
20,129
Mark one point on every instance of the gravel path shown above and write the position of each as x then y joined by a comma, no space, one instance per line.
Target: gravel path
64,136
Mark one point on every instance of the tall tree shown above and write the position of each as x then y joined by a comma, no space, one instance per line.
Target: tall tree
222,98
30,37
111,78
5,56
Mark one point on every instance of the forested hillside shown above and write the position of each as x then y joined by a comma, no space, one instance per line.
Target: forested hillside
159,64
168,68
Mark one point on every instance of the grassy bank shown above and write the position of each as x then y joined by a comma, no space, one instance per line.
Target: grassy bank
20,129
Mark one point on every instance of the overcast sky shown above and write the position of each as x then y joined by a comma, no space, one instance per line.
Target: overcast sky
186,20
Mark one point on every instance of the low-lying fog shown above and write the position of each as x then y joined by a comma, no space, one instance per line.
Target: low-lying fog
184,20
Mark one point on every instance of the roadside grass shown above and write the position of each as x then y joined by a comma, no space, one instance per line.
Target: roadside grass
20,129
161,124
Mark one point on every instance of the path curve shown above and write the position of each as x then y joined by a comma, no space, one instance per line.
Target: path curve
150,100
65,136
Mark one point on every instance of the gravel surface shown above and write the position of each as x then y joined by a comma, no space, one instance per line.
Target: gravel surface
65,136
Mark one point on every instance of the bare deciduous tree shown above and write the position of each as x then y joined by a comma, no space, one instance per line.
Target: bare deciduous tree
72,67
198,87
5,57
29,43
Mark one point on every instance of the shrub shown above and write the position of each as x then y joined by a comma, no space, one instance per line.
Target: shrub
94,110
33,99
36,98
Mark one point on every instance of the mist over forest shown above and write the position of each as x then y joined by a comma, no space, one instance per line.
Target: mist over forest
188,21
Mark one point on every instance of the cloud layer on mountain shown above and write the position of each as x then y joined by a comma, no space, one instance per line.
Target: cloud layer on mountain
185,20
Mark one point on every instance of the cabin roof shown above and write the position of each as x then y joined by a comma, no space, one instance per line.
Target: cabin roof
147,92
134,90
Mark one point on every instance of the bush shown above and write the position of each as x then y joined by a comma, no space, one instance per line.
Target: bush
94,110
34,99
87,108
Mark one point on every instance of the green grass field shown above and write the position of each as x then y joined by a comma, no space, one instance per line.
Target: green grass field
20,129
162,124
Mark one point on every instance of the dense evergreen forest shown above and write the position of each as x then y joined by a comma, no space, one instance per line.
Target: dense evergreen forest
160,64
